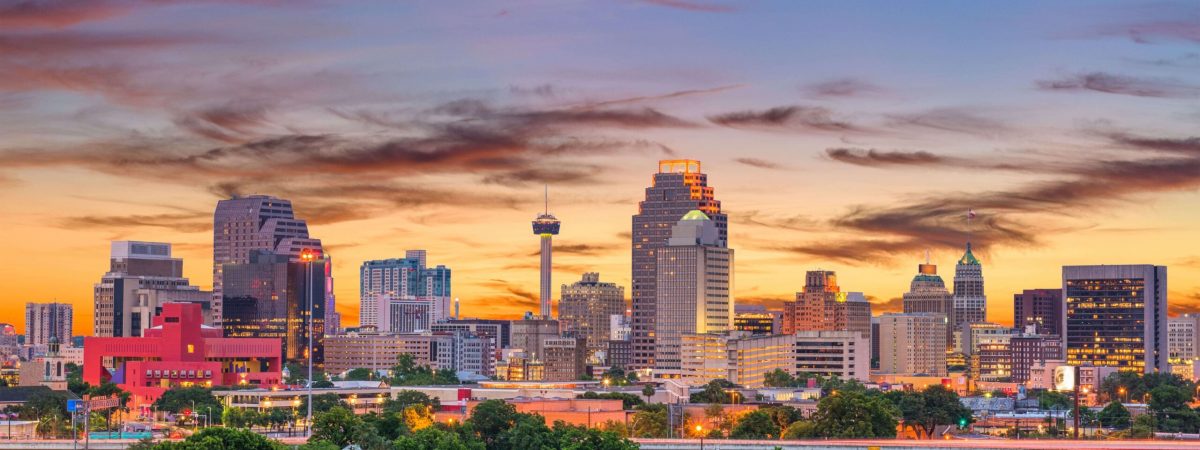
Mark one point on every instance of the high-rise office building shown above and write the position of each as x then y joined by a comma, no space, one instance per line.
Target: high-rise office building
500,331
546,227
1116,316
1029,349
823,306
403,279
242,225
972,336
530,334
927,294
737,356
1041,307
695,277
271,296
677,188
1183,339
970,303
46,321
586,309
842,354
142,276
913,344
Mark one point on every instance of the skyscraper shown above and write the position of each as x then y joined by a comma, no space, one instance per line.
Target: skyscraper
1183,339
141,277
546,226
271,296
44,321
403,279
694,280
927,294
1041,307
586,309
1116,316
822,306
677,188
242,225
970,303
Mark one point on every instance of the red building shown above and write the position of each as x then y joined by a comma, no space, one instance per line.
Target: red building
179,350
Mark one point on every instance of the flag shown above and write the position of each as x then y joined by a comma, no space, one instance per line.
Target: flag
970,214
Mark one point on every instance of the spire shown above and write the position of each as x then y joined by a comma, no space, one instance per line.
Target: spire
968,258
546,198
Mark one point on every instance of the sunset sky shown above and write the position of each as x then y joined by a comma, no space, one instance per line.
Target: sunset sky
841,135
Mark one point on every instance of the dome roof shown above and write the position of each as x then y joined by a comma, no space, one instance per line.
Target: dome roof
695,214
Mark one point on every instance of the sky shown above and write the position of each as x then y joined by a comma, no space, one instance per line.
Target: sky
850,136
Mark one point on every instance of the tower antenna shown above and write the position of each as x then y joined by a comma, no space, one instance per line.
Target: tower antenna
546,198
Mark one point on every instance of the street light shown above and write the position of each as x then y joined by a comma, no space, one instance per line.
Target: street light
307,257
1121,393
700,431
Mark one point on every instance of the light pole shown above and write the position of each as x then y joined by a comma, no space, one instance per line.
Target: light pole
306,257
700,431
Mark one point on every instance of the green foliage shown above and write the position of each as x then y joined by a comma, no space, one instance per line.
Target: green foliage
927,409
405,398
803,429
337,426
628,401
298,374
850,415
218,438
1114,416
649,422
435,439
780,378
360,374
648,391
755,425
1143,427
568,437
782,416
319,445
716,391
617,376
1137,386
236,417
1054,400
408,373
75,381
322,403
490,418
417,417
177,400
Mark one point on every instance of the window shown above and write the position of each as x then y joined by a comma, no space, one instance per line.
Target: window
191,348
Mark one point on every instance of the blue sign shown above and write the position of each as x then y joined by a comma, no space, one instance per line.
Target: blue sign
74,405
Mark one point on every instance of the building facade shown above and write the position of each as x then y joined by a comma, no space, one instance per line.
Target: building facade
141,277
271,296
678,188
586,309
927,294
695,275
739,357
243,225
1040,307
180,351
822,306
405,279
47,321
1116,316
546,226
842,354
500,331
1183,333
970,303
1029,349
913,344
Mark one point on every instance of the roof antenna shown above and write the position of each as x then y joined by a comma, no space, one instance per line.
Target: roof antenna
547,198
927,256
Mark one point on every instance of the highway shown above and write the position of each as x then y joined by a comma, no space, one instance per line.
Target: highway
721,444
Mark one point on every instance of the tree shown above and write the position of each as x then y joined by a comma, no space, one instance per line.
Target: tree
782,416
406,372
322,403
418,417
360,374
648,391
528,432
927,409
490,418
854,415
716,391
217,438
1114,416
1054,400
177,400
337,426
1143,426
650,421
406,398
75,381
571,437
801,429
435,439
779,378
755,425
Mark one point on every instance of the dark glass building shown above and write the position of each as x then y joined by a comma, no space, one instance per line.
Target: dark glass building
1040,307
1116,316
677,188
270,297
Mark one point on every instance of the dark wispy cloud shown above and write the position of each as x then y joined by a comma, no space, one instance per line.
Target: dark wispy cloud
880,306
759,163
786,222
842,87
803,118
953,120
183,222
876,158
1150,31
57,14
231,123
580,249
1185,146
659,97
692,5
1122,85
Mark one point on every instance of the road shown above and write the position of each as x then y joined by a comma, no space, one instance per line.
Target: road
850,444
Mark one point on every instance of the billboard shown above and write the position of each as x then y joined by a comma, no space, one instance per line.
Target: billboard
1064,378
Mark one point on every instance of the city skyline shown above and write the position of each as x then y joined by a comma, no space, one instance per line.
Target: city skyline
834,139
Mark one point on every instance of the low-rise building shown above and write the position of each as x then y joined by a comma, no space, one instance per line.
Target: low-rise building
842,354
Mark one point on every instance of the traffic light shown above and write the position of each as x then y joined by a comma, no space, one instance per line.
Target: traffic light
962,423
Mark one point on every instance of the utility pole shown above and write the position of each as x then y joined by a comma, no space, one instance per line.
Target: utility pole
1076,414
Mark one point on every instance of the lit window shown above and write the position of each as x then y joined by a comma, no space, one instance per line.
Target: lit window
191,348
